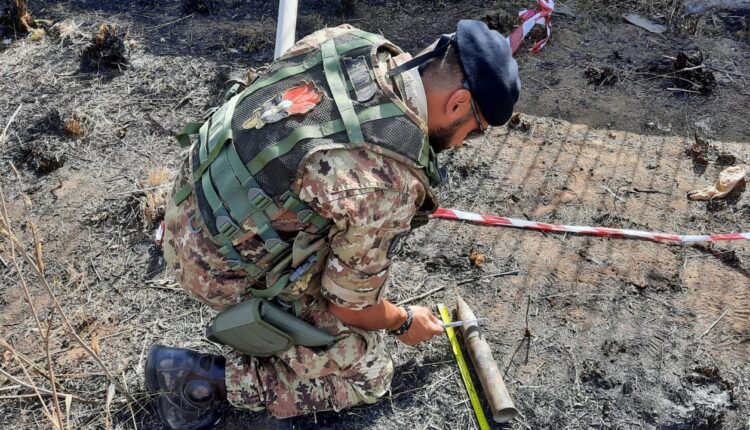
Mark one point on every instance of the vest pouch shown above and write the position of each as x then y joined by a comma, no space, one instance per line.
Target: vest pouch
259,328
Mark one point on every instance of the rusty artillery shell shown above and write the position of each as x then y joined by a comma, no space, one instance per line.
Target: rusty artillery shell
503,409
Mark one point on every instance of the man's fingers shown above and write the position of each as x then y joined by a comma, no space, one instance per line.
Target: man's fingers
434,318
436,328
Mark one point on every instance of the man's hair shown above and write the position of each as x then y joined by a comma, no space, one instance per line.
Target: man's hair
445,71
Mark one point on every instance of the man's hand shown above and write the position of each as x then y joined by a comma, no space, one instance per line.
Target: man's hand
424,327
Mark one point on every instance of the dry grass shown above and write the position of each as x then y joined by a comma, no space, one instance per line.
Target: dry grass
98,270
75,127
157,189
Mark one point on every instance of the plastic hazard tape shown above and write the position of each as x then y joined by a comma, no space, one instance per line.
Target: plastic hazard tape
615,233
530,18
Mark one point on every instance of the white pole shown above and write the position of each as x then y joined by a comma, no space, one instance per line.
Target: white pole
285,27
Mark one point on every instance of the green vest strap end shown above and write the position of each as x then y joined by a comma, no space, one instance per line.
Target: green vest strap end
183,138
182,194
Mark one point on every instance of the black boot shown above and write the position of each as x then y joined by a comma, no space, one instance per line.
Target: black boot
189,387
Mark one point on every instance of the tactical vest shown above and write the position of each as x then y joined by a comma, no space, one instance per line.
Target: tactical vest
248,157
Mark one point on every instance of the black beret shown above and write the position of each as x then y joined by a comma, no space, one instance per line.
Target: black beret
490,69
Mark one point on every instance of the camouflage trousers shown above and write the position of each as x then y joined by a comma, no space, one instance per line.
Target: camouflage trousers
356,369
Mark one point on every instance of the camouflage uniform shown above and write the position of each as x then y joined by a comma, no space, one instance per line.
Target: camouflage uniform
371,199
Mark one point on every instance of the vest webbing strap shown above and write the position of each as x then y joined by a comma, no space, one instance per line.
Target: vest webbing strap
218,135
387,110
335,79
311,62
229,231
183,138
224,239
244,200
273,290
242,193
290,202
182,194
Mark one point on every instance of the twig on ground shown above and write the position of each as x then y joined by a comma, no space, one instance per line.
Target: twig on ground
7,126
683,90
37,245
156,27
527,333
36,389
613,193
527,336
541,83
5,344
421,296
27,296
714,324
43,391
142,190
107,404
492,275
52,382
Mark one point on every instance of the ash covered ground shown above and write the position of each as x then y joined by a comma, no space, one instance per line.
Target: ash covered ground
613,131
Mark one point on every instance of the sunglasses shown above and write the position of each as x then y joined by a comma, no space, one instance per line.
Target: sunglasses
474,110
476,115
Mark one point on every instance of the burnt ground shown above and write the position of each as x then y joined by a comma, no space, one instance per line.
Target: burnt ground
622,332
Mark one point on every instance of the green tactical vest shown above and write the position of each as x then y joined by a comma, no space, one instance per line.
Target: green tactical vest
248,155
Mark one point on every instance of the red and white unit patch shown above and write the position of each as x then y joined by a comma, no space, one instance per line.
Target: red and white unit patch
297,100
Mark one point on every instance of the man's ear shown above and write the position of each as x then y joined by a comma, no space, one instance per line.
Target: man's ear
458,104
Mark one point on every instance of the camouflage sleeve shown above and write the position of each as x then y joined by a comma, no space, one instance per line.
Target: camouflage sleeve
315,39
371,200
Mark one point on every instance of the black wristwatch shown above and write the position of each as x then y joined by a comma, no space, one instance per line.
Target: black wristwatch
406,325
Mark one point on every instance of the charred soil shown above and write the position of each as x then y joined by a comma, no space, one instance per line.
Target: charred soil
616,126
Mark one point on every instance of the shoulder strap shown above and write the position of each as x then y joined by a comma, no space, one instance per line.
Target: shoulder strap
335,79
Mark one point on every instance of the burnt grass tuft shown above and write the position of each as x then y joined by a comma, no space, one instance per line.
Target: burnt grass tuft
16,17
41,158
686,71
197,6
107,51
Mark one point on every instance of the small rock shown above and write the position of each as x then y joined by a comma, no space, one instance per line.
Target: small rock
477,259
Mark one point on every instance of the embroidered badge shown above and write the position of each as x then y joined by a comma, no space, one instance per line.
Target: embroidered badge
297,100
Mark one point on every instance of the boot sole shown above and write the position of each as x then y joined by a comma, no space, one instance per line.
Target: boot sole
152,382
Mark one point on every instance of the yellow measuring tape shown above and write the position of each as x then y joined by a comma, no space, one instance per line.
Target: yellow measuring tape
451,332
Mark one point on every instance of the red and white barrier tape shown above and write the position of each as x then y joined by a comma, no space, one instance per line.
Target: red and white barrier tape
543,17
530,18
615,233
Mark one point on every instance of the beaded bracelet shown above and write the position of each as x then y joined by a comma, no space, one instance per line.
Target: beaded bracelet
406,325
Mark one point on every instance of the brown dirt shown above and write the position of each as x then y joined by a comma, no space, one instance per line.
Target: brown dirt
620,329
